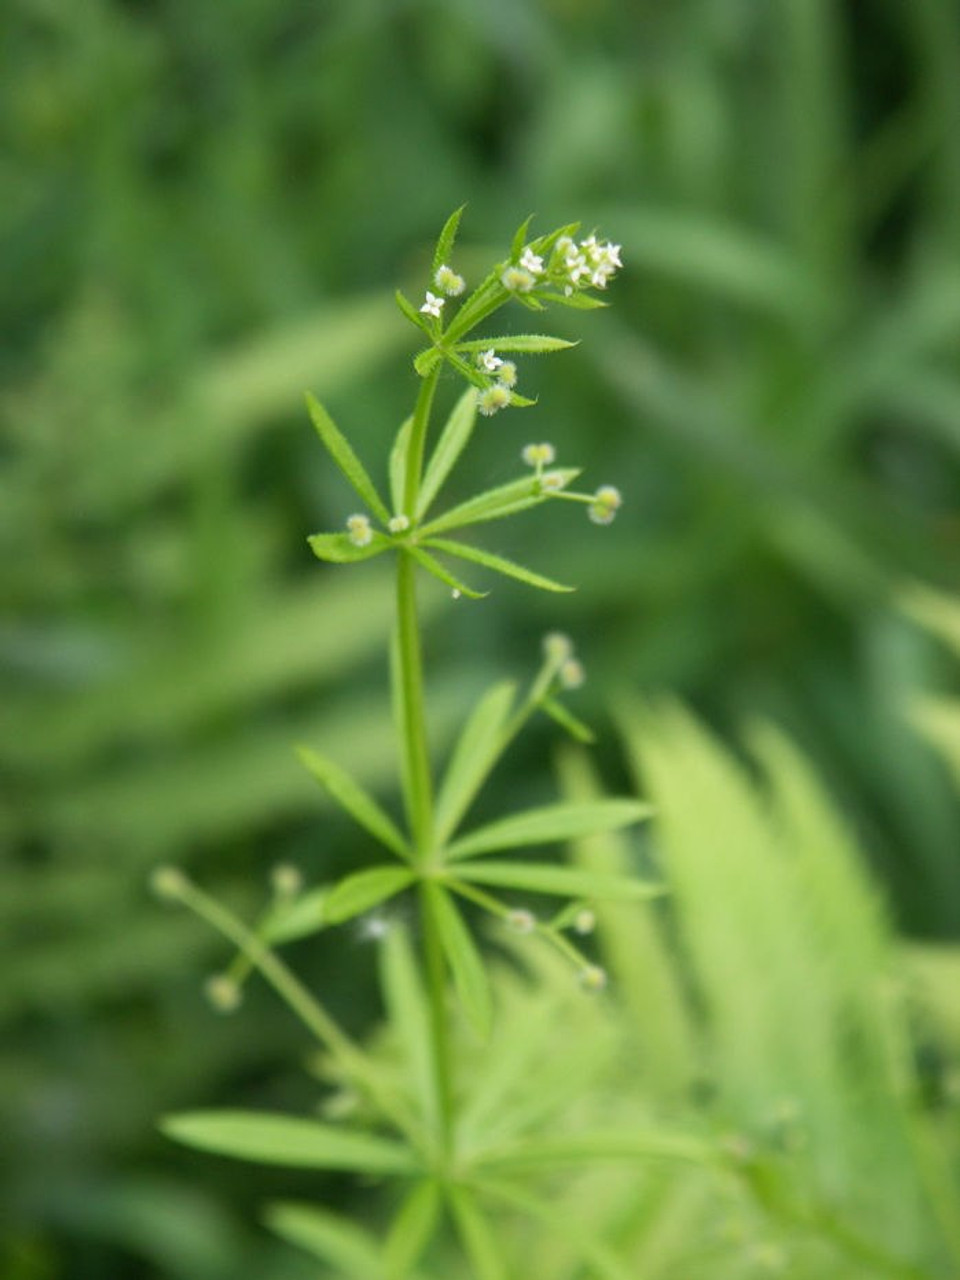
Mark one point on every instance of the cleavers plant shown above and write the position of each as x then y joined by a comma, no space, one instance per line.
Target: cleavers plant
413,1134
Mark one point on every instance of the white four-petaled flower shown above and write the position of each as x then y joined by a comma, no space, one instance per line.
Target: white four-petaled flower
489,361
433,305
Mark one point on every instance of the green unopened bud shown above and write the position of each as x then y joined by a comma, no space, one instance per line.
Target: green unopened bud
572,674
286,880
223,993
169,883
493,399
557,647
507,374
448,282
593,978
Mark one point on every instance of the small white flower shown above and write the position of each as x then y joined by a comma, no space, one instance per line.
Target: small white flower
564,246
577,268
591,248
489,361
517,280
521,921
373,928
359,530
447,281
398,524
611,254
433,305
531,262
493,399
538,455
455,594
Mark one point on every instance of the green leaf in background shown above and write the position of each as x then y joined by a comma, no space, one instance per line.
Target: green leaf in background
358,803
496,503
338,548
409,1014
479,1238
541,877
453,440
363,890
549,824
434,567
490,561
586,1148
305,915
466,964
521,343
445,241
287,1140
335,1240
476,752
343,455
412,1229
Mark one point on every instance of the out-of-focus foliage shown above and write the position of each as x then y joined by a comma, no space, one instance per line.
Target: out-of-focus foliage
205,207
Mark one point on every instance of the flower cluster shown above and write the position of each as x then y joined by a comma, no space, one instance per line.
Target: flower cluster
605,505
571,267
496,395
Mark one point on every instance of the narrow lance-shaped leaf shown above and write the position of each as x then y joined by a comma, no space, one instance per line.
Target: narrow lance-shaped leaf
579,301
453,440
583,1148
466,965
494,504
478,1238
549,824
339,549
445,241
542,877
520,238
348,793
336,1241
298,919
477,750
410,311
408,1013
436,568
398,465
343,455
499,565
364,890
522,343
287,1140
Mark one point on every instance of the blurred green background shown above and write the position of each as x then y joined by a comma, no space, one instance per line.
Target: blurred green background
206,208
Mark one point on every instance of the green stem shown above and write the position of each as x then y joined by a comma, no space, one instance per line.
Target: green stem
413,729
439,1023
417,443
